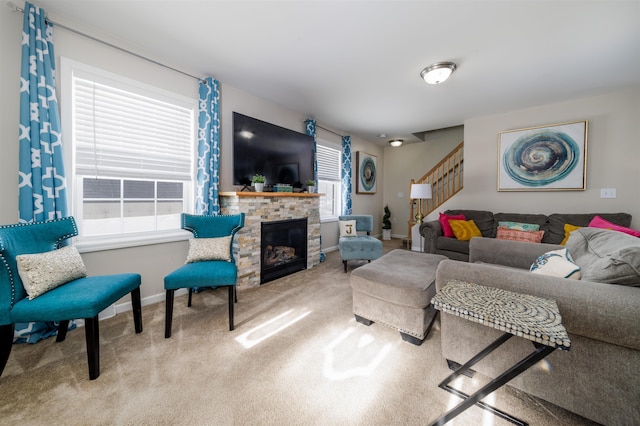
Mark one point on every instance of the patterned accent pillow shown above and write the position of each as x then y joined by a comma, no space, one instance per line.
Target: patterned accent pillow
42,272
568,229
464,230
599,222
347,228
505,233
203,249
557,263
444,223
520,226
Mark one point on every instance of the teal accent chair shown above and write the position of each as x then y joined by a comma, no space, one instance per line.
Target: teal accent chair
361,247
208,273
81,298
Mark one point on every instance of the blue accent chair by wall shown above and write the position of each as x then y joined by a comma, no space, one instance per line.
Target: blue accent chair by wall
204,271
80,298
359,247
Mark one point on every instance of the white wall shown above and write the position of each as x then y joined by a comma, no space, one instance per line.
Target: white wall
613,150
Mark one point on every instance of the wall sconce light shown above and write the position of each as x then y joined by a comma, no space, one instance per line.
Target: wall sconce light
438,72
396,143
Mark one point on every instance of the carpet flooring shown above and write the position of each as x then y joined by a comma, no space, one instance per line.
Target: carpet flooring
296,357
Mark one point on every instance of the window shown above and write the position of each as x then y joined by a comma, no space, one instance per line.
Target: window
132,147
329,165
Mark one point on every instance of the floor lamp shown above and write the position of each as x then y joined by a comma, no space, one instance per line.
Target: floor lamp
420,191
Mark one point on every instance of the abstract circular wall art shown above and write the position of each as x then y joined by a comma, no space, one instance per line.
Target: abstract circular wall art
367,173
543,158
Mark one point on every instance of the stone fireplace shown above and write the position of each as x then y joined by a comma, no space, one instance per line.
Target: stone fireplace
265,207
283,248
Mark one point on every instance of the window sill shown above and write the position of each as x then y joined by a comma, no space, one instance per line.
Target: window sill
113,242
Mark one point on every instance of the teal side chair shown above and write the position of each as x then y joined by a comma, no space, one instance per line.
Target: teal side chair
205,273
360,247
80,298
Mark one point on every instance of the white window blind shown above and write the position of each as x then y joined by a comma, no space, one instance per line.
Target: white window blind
328,163
119,133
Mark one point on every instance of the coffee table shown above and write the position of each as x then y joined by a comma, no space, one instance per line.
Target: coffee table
530,317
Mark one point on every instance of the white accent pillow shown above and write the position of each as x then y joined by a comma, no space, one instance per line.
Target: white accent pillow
42,272
557,263
202,249
348,228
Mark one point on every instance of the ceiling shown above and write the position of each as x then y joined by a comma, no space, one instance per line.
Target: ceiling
354,65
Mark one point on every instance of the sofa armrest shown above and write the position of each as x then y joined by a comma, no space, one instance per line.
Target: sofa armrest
515,254
604,312
430,231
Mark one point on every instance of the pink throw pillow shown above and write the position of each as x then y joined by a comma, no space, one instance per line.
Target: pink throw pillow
599,222
444,223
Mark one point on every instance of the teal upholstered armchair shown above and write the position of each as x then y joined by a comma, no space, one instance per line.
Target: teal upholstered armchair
28,293
210,261
359,246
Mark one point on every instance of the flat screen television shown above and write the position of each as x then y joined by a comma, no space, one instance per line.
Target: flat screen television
282,155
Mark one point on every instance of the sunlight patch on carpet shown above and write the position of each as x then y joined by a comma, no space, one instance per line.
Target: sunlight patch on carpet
270,328
363,351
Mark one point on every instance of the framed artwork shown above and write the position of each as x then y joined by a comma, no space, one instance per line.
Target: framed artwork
367,175
543,158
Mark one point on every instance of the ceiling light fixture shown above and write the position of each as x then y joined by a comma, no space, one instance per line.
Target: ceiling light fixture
438,72
396,143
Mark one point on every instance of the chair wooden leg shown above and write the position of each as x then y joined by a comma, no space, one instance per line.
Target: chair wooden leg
6,343
190,294
168,318
137,309
92,336
231,300
62,331
344,262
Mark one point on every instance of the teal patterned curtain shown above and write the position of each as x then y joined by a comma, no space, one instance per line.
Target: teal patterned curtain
346,175
310,128
42,187
208,167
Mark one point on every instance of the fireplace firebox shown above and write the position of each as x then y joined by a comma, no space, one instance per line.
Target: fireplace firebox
283,248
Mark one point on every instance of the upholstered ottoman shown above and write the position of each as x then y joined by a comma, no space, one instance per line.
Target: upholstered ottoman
396,290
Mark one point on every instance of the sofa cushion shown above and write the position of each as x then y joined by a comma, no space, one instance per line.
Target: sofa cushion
452,245
483,220
464,230
444,223
556,221
557,263
599,222
606,256
505,233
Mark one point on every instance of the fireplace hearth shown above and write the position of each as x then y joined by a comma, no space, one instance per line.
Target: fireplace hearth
283,248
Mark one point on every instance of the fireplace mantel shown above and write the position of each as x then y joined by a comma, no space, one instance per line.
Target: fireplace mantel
261,207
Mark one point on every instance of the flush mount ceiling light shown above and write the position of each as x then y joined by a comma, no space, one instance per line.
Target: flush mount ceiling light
438,72
396,143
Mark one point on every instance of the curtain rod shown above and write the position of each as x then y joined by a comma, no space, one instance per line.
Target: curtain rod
330,131
13,6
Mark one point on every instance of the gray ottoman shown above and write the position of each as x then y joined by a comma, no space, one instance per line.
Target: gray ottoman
396,290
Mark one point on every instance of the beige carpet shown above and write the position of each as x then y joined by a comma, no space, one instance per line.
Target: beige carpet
296,357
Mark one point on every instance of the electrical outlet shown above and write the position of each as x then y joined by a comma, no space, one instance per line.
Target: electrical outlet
607,193
400,194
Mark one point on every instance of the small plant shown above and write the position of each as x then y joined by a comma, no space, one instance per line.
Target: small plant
258,179
386,219
310,182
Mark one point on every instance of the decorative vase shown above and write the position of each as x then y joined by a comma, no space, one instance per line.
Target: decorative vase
259,186
386,234
311,189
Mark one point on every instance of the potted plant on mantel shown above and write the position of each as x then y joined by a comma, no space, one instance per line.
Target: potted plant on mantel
311,185
386,224
258,182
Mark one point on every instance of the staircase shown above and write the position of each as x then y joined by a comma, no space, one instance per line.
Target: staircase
445,179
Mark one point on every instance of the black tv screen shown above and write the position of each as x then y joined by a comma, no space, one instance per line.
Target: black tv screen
282,155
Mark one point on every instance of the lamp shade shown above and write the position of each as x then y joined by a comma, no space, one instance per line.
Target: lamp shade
395,143
420,191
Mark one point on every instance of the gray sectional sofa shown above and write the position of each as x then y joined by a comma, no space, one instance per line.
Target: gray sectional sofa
487,222
598,378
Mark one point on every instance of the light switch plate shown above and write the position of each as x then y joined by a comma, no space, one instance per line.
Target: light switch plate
607,193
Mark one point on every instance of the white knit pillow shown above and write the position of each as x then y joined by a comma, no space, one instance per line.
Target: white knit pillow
42,272
201,249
